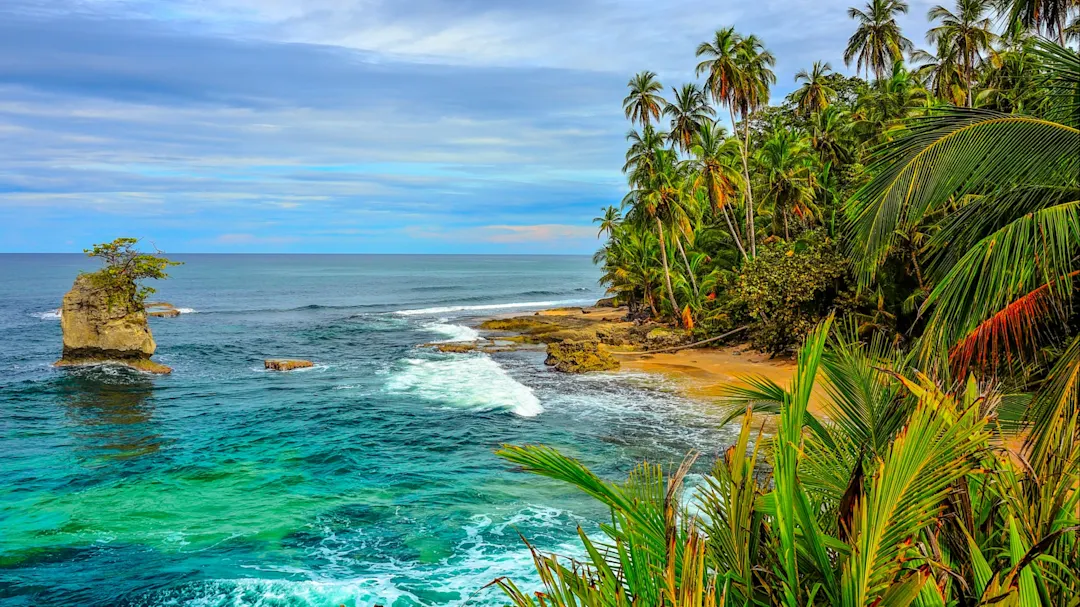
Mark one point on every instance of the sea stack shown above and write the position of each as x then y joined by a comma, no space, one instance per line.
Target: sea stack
101,326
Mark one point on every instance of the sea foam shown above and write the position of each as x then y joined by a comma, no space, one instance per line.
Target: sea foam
473,382
47,315
453,333
481,307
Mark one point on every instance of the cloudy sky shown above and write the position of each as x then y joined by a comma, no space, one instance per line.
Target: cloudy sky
399,126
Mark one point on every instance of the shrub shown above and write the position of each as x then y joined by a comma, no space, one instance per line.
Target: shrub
788,288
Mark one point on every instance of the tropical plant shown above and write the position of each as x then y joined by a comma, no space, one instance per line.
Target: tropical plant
962,37
125,267
816,93
688,113
878,42
643,104
886,487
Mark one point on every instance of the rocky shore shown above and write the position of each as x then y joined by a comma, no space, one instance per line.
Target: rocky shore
584,339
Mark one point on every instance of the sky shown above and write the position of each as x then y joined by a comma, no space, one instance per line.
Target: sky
347,126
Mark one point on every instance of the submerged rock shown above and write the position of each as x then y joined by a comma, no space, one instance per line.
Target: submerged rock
101,326
579,357
455,348
284,364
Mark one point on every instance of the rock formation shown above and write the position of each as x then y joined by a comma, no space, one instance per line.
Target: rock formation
284,364
579,357
104,327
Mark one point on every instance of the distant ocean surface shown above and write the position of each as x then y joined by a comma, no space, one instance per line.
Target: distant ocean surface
369,479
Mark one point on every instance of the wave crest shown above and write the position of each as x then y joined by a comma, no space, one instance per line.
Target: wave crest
477,383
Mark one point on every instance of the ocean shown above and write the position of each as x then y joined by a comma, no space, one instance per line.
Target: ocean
369,479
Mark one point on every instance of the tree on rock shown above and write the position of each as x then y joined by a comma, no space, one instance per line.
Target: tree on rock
125,266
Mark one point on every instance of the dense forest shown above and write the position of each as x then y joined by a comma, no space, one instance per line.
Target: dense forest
912,233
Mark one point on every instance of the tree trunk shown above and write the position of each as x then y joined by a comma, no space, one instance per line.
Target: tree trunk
746,189
667,271
689,270
734,232
749,189
787,234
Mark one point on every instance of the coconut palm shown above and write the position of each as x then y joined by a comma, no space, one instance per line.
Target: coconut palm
713,161
787,165
643,145
610,220
878,42
659,199
962,37
643,104
688,112
815,94
940,74
752,92
1050,16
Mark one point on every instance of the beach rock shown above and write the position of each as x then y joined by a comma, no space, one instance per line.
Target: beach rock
579,357
608,302
285,364
103,327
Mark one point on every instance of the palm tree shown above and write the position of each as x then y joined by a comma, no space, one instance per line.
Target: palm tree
815,94
940,74
712,163
658,198
644,102
787,164
878,42
640,155
610,220
1051,16
962,37
740,75
688,112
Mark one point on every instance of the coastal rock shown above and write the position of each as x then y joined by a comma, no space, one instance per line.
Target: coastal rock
161,309
455,348
608,302
285,364
579,357
102,327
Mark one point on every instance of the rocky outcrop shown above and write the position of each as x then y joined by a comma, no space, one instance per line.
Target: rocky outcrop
284,364
161,309
579,357
608,302
101,326
664,337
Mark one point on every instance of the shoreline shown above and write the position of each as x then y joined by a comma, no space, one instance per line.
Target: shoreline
696,373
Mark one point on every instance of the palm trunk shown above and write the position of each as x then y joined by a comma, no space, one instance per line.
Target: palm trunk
734,232
787,234
749,189
667,271
689,270
746,189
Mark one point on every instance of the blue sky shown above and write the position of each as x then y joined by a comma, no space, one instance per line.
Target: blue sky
398,126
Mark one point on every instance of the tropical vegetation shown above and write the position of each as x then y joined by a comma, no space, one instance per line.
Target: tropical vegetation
916,228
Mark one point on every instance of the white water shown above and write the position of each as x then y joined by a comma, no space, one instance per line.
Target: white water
453,333
473,382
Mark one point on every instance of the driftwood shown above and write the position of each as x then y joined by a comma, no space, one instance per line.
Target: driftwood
695,344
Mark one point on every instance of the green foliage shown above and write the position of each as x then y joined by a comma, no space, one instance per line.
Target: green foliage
788,288
124,267
899,495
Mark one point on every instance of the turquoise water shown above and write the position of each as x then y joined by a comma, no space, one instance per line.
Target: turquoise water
369,479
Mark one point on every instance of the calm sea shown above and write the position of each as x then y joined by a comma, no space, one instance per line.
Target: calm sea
369,479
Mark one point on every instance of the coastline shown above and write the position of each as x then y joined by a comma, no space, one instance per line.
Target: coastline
697,373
